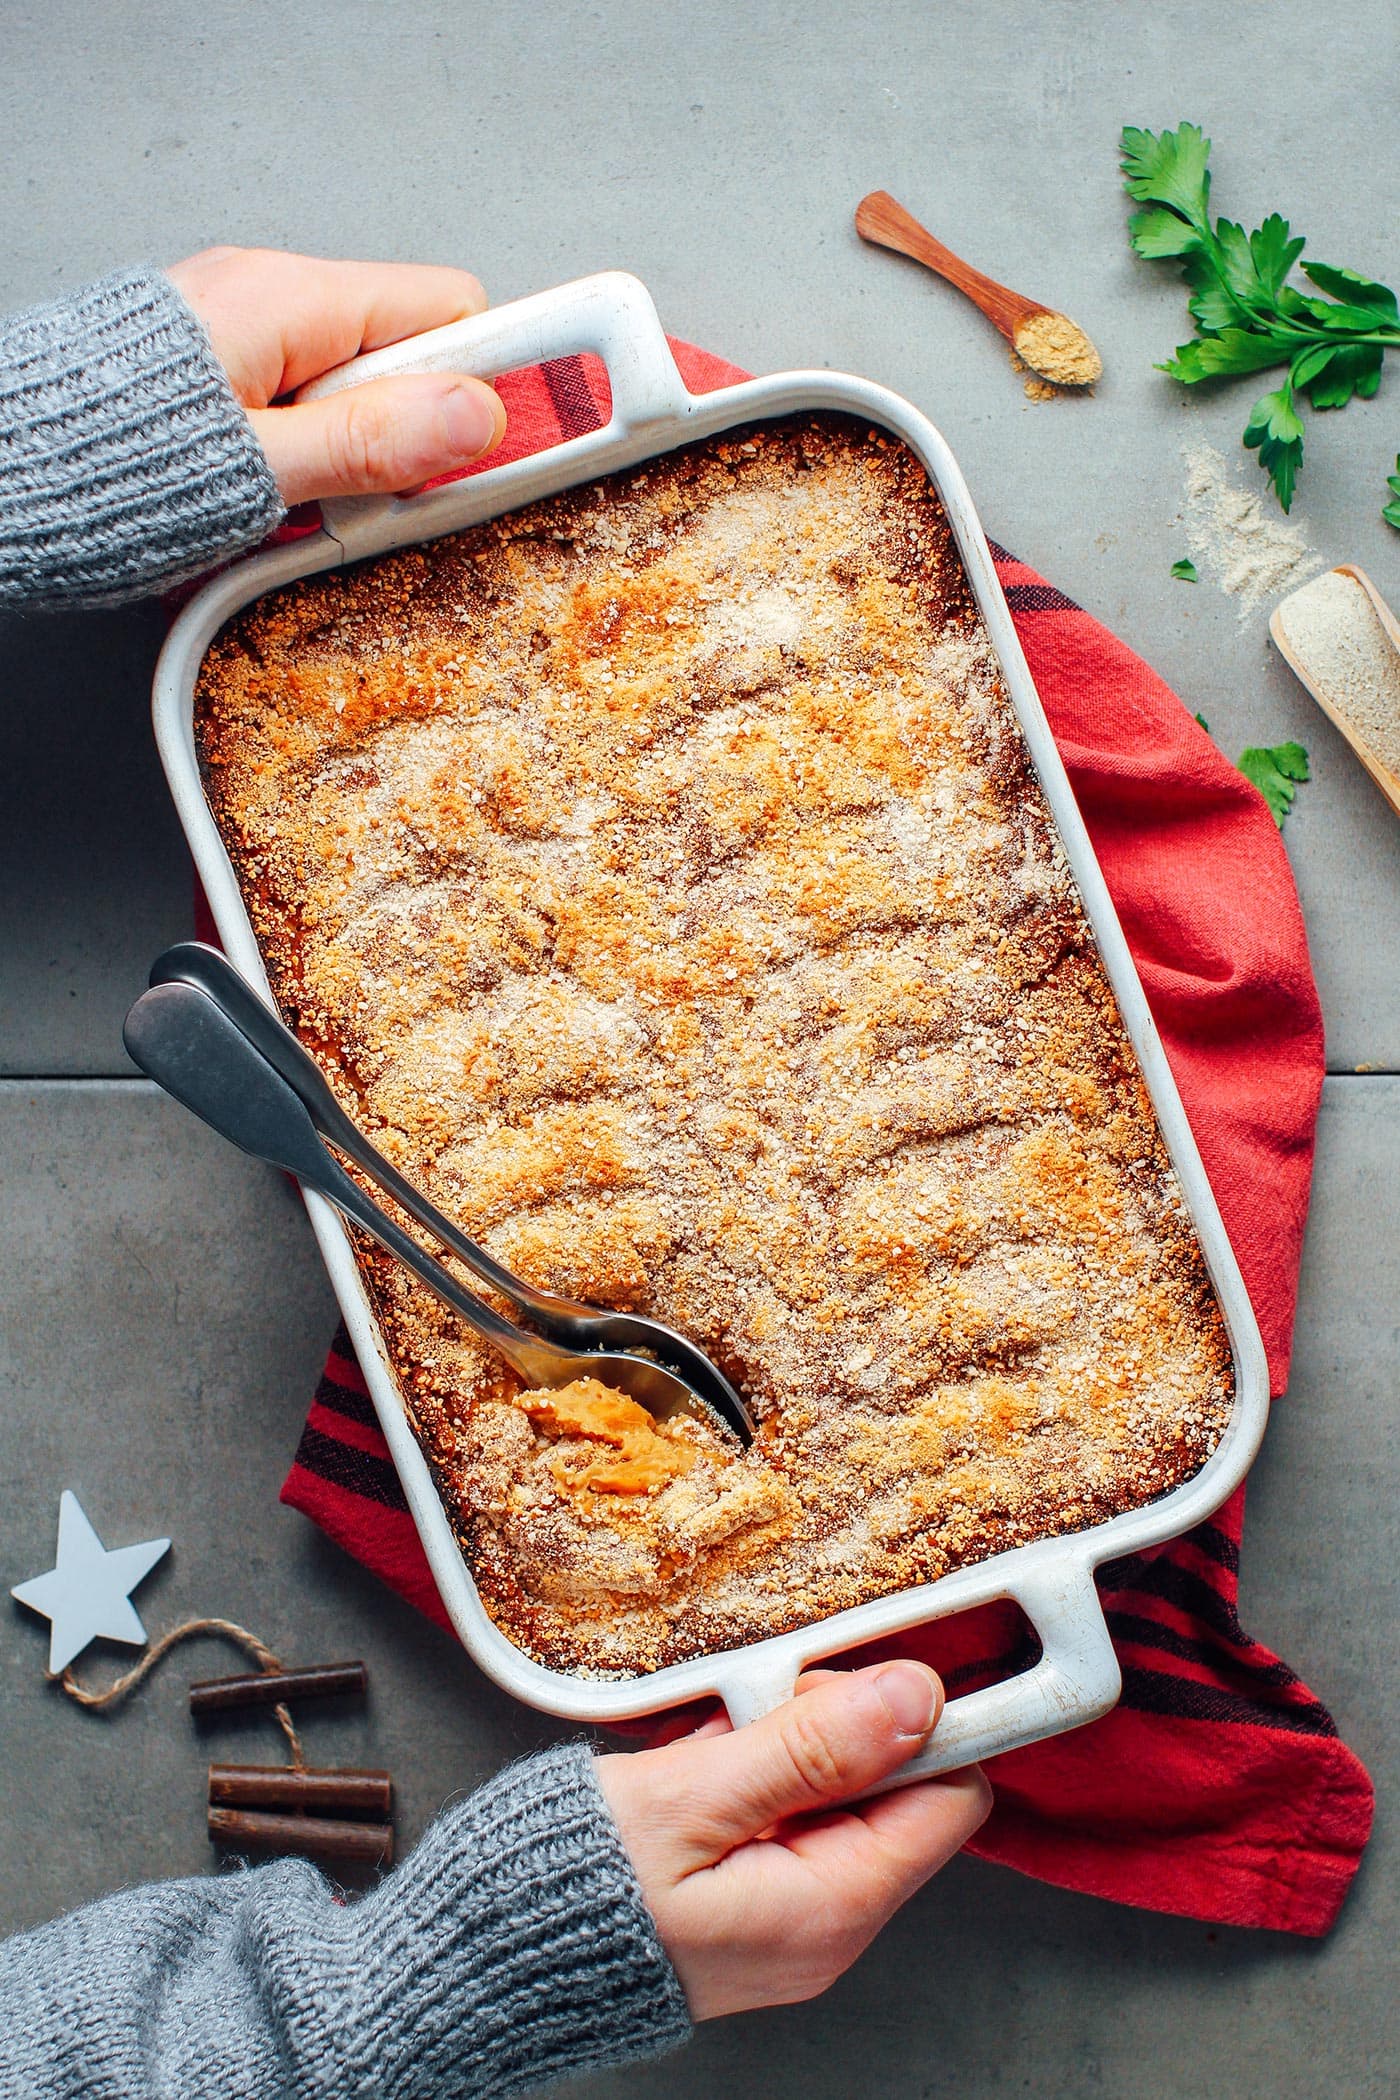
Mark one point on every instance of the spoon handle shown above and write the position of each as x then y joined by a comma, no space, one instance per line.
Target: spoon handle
191,962
197,1052
883,221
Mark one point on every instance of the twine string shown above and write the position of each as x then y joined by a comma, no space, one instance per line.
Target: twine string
120,1688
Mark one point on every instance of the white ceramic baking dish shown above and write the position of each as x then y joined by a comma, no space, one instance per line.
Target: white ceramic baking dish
1077,1676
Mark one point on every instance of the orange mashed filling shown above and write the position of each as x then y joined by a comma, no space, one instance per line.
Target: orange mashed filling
592,1412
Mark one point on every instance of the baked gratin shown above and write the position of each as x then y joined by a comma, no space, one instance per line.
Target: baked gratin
659,874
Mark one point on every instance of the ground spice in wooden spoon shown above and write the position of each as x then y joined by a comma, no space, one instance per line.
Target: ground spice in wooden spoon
1058,349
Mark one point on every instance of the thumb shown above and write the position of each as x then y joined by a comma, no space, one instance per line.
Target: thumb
835,1741
381,437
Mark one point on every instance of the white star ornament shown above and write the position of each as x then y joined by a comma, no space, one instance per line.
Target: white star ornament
87,1593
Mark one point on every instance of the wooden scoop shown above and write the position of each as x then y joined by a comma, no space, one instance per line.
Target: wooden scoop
1046,340
1314,677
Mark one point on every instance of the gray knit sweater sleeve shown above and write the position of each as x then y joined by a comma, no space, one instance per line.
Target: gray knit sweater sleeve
125,461
510,1949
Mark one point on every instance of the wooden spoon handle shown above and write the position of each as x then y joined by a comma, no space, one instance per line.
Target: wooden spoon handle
881,220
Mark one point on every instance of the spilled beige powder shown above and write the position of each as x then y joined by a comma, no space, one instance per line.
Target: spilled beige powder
1036,388
1251,553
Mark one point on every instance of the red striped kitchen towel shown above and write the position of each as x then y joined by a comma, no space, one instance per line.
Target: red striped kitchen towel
1218,1788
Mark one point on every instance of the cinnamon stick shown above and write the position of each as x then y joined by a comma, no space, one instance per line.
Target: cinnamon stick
341,1792
247,1830
272,1687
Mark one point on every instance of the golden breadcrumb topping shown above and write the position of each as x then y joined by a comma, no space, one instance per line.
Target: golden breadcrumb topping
660,877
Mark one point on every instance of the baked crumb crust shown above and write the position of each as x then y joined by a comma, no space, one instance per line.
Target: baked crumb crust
660,876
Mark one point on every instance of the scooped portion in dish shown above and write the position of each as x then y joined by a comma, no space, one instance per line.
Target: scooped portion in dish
660,875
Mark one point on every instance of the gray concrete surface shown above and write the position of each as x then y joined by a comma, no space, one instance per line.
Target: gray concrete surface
162,1313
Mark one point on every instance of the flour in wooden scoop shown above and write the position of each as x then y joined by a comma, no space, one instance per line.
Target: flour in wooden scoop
1335,633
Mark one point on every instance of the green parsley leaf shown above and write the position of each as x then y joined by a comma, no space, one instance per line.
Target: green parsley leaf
1391,512
1160,233
1235,261
1311,364
1215,303
1368,358
1346,322
1232,350
1171,168
1274,253
1204,724
1212,306
1247,316
1356,292
1275,770
1341,371
1275,431
1185,572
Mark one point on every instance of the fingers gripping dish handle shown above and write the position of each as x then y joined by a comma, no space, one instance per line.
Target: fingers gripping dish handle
610,314
1076,1680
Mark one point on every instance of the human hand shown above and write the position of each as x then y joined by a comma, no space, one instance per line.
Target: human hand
763,1889
277,321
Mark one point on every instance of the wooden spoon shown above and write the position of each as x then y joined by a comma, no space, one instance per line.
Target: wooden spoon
1055,348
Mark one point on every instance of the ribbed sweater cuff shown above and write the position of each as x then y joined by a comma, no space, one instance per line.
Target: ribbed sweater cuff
512,1948
126,463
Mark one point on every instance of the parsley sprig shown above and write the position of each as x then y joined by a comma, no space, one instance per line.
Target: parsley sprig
1248,317
1275,770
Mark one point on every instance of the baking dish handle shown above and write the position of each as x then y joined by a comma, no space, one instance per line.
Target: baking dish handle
611,314
1076,1680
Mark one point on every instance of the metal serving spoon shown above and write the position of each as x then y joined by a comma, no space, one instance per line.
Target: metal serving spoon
198,1051
564,1321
